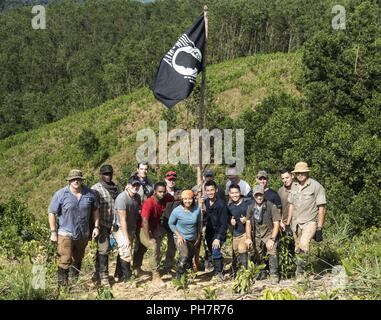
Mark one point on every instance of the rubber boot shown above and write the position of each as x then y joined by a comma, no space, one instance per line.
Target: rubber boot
242,258
74,270
234,265
103,269
95,276
182,265
273,266
126,271
156,279
118,270
179,272
218,269
300,264
62,276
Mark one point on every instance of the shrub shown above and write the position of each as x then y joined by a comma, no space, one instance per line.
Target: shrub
282,294
88,142
246,277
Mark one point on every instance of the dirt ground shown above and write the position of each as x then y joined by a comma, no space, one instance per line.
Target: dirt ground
142,288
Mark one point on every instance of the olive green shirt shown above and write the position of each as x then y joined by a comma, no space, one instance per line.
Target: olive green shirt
306,200
271,214
283,194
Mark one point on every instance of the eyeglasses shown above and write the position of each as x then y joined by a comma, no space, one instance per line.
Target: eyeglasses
300,173
258,195
262,178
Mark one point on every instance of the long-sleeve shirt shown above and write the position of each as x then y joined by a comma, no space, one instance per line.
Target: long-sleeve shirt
187,223
216,219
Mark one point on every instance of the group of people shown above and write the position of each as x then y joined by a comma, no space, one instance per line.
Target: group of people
141,215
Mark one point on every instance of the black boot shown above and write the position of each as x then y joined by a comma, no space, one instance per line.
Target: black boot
234,265
103,269
95,277
126,270
273,266
243,260
74,270
118,270
182,265
63,276
218,269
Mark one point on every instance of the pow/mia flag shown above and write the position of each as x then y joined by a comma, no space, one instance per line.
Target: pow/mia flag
179,67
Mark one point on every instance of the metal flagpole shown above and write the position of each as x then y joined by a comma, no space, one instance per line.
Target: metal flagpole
201,118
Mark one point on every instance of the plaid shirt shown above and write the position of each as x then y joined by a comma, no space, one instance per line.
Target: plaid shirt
106,205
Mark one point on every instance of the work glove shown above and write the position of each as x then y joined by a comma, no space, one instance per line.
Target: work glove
319,235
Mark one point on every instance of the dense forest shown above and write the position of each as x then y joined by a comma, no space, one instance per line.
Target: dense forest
95,50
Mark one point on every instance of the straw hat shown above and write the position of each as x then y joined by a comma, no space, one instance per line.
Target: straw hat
301,167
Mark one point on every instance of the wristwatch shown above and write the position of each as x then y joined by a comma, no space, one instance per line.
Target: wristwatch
273,239
96,227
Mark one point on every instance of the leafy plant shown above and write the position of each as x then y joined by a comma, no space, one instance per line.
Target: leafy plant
104,293
362,264
210,293
303,285
191,275
245,278
88,142
182,283
287,264
282,294
330,295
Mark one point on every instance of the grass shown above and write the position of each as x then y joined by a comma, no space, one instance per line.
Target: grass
33,164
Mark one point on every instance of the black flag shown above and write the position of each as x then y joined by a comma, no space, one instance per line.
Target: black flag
179,67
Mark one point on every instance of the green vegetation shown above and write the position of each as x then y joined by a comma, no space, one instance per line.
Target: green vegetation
245,278
282,294
210,293
36,163
320,104
95,50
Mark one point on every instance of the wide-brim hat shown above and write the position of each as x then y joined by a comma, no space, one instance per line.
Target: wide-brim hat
75,174
301,167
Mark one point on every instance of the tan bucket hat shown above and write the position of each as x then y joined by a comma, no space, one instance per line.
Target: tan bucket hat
75,174
301,167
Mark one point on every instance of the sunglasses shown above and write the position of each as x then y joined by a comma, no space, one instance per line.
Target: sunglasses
262,178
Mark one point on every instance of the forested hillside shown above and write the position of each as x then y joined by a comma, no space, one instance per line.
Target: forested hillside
319,103
95,50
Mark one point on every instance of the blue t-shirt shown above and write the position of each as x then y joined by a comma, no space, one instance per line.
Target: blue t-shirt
73,214
185,222
238,211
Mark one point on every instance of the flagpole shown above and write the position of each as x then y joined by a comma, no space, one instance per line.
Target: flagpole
201,118
201,114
